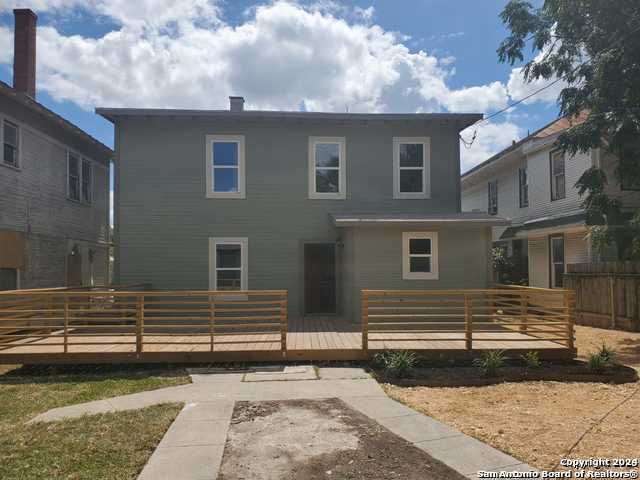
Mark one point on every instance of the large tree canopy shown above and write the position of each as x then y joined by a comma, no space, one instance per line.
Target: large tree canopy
593,46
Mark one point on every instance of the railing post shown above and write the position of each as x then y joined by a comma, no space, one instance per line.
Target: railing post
524,311
365,323
468,323
212,321
66,322
140,324
569,305
283,324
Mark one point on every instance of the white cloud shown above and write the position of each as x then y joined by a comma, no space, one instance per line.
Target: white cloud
490,139
518,88
282,55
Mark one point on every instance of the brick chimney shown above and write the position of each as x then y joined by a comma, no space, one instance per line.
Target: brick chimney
24,51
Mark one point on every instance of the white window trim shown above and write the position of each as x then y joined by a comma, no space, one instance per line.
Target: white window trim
407,274
426,168
18,166
239,139
81,158
341,194
244,258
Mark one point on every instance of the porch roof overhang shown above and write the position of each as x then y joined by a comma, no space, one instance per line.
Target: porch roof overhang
418,220
546,225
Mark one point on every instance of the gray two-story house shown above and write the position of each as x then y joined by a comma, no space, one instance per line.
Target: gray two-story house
320,204
54,200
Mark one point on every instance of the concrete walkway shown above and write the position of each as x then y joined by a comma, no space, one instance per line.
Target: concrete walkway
193,446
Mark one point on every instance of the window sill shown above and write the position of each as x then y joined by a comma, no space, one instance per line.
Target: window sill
80,202
327,196
411,196
420,276
227,195
12,167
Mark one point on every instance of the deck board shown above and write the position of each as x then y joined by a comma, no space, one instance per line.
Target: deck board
310,337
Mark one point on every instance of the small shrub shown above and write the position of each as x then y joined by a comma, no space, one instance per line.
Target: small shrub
531,359
608,354
596,363
490,362
396,363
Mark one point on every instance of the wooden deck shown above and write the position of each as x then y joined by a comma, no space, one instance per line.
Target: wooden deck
65,328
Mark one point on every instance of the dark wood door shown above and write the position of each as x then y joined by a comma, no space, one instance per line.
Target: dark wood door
320,278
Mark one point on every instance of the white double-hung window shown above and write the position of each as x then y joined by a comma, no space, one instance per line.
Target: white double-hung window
420,256
10,142
411,164
327,168
228,263
225,166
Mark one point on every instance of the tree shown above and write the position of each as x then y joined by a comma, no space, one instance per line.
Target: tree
594,47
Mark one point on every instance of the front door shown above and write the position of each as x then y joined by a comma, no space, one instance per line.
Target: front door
319,278
556,255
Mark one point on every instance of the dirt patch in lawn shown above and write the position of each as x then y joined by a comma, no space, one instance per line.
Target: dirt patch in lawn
537,422
319,440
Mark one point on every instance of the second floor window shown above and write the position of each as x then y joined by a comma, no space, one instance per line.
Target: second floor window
79,178
523,185
557,175
492,207
73,171
225,166
327,172
411,167
10,141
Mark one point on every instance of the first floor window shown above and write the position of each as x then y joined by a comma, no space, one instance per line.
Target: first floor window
411,167
492,195
557,175
73,171
10,141
523,187
228,259
420,255
327,168
225,166
8,278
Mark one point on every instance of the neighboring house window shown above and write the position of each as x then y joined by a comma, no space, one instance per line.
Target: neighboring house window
411,163
523,187
420,256
492,206
556,245
10,141
8,278
73,172
225,168
327,168
87,181
557,175
79,178
228,263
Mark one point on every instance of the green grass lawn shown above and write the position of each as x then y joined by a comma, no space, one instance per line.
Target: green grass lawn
107,446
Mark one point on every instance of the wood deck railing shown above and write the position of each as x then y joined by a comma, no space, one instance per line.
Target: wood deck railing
505,315
194,320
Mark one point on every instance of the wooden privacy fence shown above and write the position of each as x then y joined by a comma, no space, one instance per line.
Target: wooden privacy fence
131,321
505,318
606,294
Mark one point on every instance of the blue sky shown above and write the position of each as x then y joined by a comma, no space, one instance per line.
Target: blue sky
386,55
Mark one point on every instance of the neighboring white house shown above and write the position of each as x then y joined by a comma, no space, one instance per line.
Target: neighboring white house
533,184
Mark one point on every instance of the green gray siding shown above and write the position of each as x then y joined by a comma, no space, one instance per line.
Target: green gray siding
164,219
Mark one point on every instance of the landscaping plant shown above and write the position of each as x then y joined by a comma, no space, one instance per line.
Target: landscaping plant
598,361
490,362
531,359
396,363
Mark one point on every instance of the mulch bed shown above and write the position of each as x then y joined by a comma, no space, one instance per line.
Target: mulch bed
468,376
